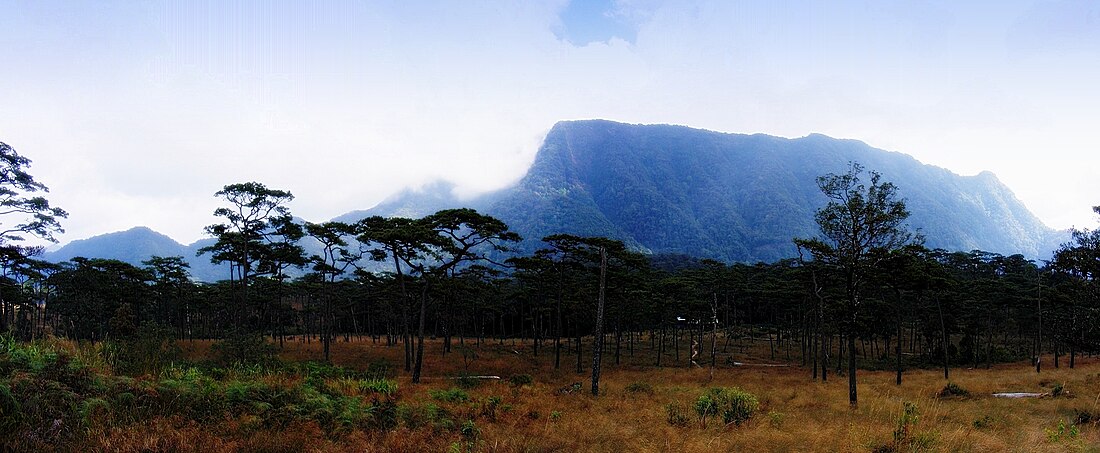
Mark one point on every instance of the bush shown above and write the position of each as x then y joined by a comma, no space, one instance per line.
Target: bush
246,348
1062,432
520,380
905,436
489,407
11,414
676,415
380,386
149,350
381,369
467,382
952,390
95,412
903,432
1085,417
452,395
639,387
984,422
469,430
775,419
733,404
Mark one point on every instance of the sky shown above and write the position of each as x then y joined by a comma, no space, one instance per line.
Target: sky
136,113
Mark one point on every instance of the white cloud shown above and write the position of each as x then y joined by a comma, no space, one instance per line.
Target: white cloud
136,115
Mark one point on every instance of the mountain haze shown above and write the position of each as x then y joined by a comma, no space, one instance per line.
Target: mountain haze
678,190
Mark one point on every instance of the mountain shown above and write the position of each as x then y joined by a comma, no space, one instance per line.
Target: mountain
139,244
131,246
674,190
734,197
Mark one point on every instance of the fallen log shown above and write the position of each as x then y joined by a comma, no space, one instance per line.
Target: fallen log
1020,395
459,377
774,365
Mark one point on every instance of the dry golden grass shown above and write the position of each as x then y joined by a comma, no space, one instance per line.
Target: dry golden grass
796,413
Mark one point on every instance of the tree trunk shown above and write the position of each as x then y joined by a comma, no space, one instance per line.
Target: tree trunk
943,335
714,333
557,322
418,366
660,344
898,350
852,397
598,336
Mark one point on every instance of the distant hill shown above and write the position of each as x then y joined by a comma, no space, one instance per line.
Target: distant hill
139,244
678,191
132,246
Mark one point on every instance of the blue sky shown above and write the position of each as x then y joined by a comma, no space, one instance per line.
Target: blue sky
135,113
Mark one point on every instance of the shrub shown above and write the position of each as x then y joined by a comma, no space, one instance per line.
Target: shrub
909,416
469,430
467,382
149,350
246,348
571,388
11,414
775,419
1085,417
439,417
380,369
412,417
520,380
382,413
733,404
16,356
1062,432
452,395
676,415
95,412
489,407
984,422
380,386
640,387
952,390
904,438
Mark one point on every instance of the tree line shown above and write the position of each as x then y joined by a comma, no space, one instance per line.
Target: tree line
865,293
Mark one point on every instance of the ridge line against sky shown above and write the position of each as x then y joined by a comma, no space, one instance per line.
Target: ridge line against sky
136,113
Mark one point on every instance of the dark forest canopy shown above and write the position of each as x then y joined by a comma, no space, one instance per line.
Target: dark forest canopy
447,277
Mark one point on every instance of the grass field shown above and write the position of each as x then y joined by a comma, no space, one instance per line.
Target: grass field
554,413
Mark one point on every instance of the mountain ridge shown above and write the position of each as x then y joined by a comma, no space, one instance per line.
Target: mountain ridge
732,197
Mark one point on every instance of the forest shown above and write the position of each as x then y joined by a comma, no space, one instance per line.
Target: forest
95,347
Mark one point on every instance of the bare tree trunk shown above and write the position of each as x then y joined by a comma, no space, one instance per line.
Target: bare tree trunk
598,336
852,396
418,366
898,351
660,344
943,335
714,333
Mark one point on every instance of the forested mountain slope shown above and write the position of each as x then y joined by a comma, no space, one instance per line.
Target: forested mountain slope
674,189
